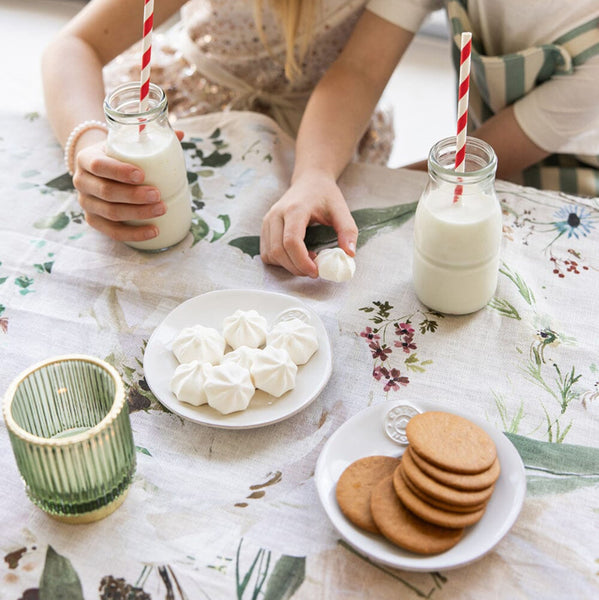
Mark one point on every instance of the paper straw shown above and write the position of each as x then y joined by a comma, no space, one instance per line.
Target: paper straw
464,87
146,57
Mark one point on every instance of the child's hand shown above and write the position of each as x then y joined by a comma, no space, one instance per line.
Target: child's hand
312,198
110,194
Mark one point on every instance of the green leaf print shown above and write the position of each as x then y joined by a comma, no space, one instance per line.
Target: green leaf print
286,578
560,467
249,244
369,221
216,235
261,563
504,308
57,222
59,579
515,278
199,229
44,267
24,282
216,159
63,183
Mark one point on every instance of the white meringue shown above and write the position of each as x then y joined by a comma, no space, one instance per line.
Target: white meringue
242,356
335,265
188,381
273,371
200,343
228,388
245,328
298,338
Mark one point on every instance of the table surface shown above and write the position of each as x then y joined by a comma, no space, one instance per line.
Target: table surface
215,513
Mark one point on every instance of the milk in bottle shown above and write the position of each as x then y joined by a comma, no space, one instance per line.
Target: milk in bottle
147,140
457,231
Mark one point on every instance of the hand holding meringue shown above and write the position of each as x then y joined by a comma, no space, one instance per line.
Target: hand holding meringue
335,265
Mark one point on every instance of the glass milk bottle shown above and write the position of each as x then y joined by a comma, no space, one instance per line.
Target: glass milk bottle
457,230
147,140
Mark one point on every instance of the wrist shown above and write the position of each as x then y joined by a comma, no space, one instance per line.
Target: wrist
75,137
313,173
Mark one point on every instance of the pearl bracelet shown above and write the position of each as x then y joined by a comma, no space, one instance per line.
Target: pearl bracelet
78,131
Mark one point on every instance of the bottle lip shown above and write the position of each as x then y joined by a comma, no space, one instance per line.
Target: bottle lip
123,105
441,160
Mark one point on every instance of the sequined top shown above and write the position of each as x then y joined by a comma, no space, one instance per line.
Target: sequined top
213,59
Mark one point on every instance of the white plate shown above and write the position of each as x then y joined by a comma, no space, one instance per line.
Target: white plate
364,435
209,310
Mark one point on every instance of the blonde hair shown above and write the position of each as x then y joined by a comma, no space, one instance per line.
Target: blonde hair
297,20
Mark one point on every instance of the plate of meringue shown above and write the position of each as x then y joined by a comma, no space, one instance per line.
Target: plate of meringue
238,359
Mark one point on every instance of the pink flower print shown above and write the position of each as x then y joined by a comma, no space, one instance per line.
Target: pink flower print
393,377
379,351
406,344
406,332
379,372
404,329
369,334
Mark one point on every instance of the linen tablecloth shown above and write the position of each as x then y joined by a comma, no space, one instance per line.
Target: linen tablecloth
220,514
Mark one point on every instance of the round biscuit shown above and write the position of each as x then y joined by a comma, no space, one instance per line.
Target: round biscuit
427,485
405,529
355,485
474,482
438,503
451,442
429,513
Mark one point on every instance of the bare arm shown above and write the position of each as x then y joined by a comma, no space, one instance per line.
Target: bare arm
72,63
74,92
514,149
336,117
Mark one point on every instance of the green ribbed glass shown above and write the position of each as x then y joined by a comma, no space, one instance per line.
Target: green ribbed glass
69,427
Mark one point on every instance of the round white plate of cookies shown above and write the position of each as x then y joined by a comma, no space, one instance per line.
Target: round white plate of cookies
367,434
210,310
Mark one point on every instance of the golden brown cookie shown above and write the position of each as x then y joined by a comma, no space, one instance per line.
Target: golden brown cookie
438,503
405,529
355,485
451,442
427,485
429,513
476,481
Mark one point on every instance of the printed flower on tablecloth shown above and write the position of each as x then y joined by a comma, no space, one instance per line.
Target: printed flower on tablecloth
574,221
393,378
390,333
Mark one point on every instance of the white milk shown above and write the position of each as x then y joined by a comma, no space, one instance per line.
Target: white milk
456,248
158,152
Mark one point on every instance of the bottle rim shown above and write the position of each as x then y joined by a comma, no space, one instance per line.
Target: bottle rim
441,160
123,105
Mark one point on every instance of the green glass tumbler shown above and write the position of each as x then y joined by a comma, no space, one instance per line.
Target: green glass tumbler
68,423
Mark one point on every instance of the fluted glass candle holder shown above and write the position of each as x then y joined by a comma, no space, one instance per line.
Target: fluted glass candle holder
69,427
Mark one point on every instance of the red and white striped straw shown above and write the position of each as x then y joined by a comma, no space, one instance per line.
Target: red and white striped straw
146,56
464,87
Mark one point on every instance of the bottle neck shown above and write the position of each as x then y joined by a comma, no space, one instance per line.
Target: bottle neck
480,163
123,106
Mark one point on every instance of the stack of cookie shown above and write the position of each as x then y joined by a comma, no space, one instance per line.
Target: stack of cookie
424,501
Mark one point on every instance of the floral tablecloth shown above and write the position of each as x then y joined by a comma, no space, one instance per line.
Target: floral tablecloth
221,514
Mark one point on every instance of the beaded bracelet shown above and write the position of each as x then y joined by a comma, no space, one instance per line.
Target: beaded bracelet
78,131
